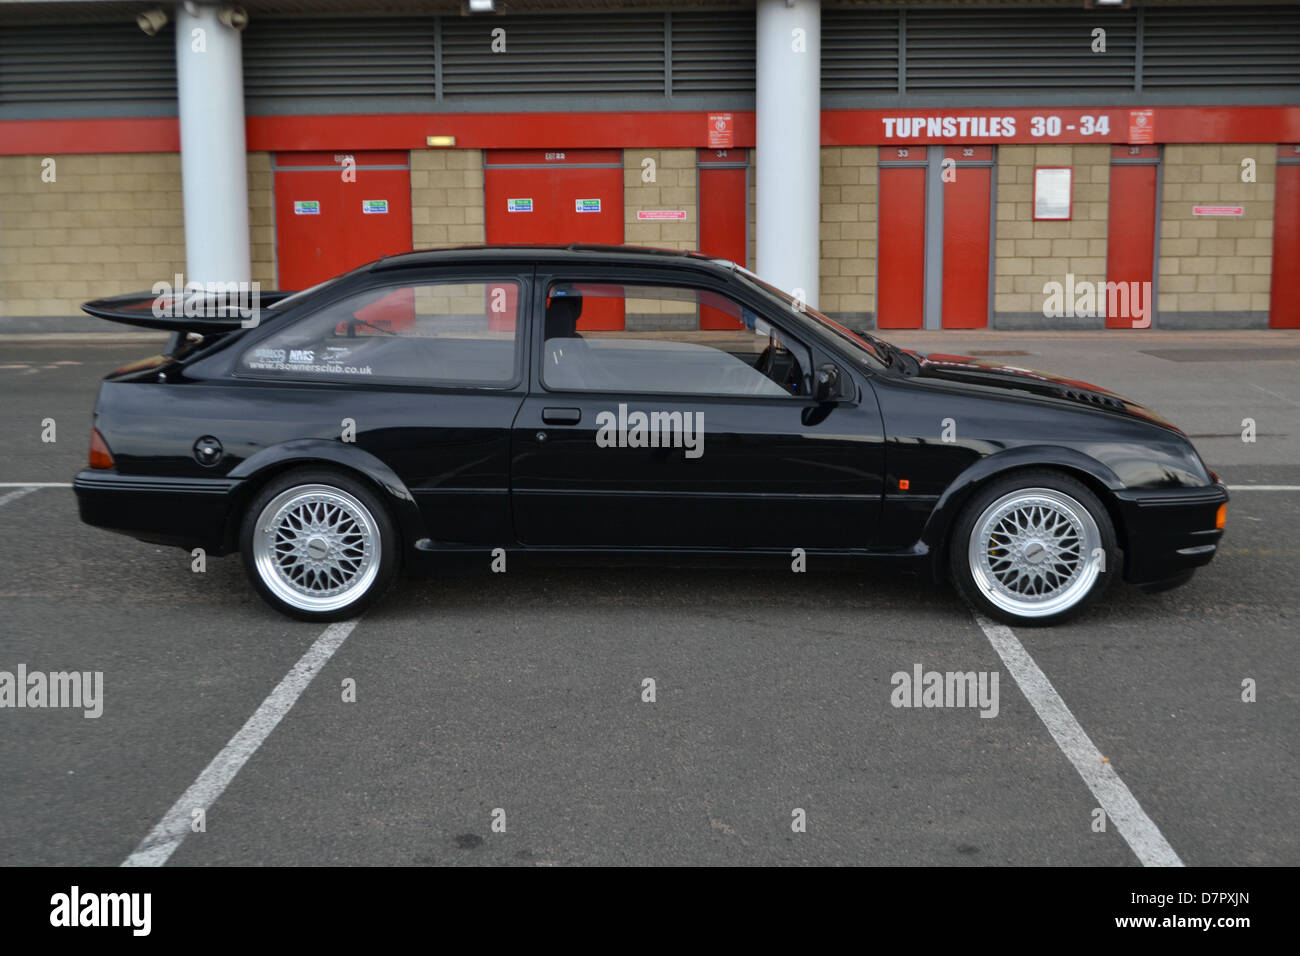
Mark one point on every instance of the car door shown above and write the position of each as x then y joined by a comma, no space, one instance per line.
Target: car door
664,435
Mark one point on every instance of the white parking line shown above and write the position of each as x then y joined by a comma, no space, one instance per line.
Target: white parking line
1142,835
15,495
162,841
1263,487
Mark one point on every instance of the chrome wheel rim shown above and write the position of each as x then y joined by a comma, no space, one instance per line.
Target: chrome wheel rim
1034,552
316,547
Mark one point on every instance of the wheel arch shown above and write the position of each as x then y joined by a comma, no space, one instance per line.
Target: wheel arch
254,472
1095,475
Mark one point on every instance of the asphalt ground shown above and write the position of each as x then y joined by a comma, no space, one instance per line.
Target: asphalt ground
523,693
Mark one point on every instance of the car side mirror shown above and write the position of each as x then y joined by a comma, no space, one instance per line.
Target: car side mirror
830,384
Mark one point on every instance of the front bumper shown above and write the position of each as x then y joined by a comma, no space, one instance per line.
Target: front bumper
184,512
1170,531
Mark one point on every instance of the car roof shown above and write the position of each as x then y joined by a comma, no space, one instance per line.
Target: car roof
573,254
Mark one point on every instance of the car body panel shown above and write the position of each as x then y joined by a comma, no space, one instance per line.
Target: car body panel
880,473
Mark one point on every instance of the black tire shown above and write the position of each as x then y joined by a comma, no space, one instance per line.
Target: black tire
986,576
294,569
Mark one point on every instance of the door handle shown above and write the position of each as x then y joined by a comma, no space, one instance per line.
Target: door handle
561,416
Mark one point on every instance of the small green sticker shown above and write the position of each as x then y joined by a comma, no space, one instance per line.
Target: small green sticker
586,205
374,207
306,207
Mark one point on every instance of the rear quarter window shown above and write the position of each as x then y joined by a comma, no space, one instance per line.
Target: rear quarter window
446,333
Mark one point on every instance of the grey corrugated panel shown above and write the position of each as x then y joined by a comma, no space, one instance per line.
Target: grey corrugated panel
339,57
559,53
1018,49
859,50
713,51
101,61
1228,46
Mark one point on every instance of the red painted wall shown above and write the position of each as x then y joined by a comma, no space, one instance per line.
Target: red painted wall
556,185
1131,234
1284,301
1173,124
723,206
900,248
312,248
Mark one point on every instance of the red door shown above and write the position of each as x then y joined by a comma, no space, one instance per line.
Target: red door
900,244
331,216
558,197
724,201
966,198
1284,309
1131,232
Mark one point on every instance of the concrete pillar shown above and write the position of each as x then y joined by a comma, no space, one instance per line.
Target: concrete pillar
214,165
789,145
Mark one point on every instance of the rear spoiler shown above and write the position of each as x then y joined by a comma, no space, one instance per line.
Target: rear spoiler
203,312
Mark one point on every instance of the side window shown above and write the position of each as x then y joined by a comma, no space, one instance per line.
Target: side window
436,333
675,339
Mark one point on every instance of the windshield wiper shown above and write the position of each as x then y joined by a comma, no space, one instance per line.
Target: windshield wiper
908,363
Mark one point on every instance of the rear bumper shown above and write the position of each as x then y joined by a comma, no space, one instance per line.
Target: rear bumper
1169,532
184,512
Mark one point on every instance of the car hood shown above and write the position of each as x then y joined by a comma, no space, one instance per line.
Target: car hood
976,371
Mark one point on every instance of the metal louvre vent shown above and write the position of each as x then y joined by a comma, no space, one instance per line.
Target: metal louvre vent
558,53
343,57
860,50
713,52
1243,46
1030,50
86,63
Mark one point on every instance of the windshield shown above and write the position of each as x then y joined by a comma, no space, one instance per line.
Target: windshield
859,340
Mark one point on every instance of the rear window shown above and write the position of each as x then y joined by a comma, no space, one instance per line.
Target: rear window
450,333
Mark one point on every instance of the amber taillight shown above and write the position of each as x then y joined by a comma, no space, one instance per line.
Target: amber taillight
100,456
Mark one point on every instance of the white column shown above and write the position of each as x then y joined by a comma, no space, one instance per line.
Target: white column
789,145
214,163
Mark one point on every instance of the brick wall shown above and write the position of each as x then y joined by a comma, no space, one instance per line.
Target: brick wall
752,212
848,232
446,198
108,224
1215,271
1030,254
675,186
261,219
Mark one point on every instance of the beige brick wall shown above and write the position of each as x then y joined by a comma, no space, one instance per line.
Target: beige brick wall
446,198
752,251
1212,263
849,209
108,224
675,186
261,219
1030,254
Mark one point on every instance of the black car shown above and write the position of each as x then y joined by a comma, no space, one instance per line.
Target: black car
590,404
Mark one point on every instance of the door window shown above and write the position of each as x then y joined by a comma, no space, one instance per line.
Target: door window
663,349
